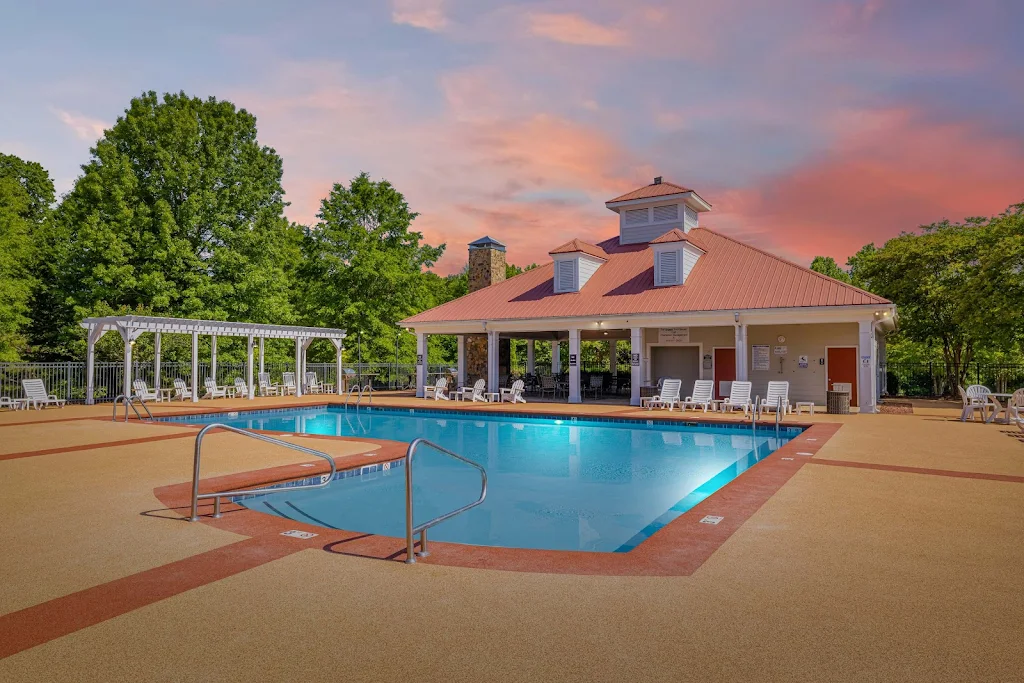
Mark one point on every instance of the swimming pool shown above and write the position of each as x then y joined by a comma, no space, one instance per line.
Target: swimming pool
553,483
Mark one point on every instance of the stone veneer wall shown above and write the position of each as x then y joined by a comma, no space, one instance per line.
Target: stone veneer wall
486,268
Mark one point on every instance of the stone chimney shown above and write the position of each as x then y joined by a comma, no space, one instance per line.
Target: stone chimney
486,268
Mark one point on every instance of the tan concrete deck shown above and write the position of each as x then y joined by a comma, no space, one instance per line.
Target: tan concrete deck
857,570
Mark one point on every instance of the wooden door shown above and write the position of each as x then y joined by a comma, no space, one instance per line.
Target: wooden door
725,368
842,367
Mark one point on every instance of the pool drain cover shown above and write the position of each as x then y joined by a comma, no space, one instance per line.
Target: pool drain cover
711,519
295,533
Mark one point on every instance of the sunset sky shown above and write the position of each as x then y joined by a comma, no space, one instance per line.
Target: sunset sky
812,126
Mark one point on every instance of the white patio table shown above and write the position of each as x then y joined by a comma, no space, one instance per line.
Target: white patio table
998,407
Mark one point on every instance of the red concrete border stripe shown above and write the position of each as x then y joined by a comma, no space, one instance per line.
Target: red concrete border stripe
94,446
1013,479
59,617
46,422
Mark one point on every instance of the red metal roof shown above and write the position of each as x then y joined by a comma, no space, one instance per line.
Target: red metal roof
653,190
673,235
729,276
574,246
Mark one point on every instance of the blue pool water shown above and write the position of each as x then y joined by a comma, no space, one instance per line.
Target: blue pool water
553,484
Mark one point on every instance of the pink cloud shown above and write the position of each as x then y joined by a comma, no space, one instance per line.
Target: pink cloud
425,14
84,127
575,29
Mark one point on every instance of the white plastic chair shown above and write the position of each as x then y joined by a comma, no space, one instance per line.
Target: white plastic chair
181,390
739,397
669,395
36,396
513,394
212,390
438,391
313,385
241,388
1015,409
287,383
143,391
475,392
975,398
703,392
266,388
777,392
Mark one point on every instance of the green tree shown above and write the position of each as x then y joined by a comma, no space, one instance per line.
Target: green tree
179,212
1001,287
363,267
826,265
26,194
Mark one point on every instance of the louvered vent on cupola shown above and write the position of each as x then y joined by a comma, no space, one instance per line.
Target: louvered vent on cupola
669,212
635,216
565,276
575,263
666,268
675,255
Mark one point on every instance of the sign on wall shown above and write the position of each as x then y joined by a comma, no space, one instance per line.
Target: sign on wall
419,359
707,361
781,350
760,357
572,360
802,361
674,335
634,360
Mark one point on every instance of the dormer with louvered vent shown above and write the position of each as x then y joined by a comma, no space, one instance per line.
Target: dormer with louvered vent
575,263
650,211
674,257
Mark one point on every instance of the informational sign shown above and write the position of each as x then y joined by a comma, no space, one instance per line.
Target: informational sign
674,335
802,361
419,359
865,361
781,350
634,360
707,361
572,360
760,357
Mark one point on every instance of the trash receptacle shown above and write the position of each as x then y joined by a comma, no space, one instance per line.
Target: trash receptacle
838,402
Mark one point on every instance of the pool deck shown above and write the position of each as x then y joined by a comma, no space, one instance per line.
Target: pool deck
895,551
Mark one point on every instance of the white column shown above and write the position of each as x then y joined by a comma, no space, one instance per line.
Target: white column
127,364
90,363
261,356
492,360
195,367
531,350
636,343
156,363
613,351
556,358
867,368
421,364
461,364
742,363
883,379
574,366
298,366
213,358
248,368
338,347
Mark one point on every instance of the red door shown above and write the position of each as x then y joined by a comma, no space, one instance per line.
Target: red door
725,368
842,367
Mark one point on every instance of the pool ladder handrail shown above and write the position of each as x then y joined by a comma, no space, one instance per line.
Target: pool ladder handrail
359,395
410,529
217,495
130,401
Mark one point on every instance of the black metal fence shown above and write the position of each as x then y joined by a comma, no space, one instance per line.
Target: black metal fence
930,379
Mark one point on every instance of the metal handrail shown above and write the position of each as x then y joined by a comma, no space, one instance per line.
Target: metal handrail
421,529
359,400
348,396
130,401
217,495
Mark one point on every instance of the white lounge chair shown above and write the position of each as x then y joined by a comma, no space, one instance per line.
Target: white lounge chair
9,403
739,397
266,388
438,391
181,390
475,392
212,390
313,385
36,396
241,388
703,393
287,383
975,398
668,396
778,394
513,394
143,391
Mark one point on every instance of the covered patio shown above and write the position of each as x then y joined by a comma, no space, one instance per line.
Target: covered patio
132,327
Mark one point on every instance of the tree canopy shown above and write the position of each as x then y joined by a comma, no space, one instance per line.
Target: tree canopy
826,265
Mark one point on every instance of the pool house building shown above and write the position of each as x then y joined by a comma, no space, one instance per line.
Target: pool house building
691,303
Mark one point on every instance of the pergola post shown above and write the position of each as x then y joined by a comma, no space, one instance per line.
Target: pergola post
613,360
156,363
556,358
213,358
636,342
338,348
248,369
531,350
298,366
741,352
574,365
421,364
493,338
461,363
95,333
195,366
128,343
261,356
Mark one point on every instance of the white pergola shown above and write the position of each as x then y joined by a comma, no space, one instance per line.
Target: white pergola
130,327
